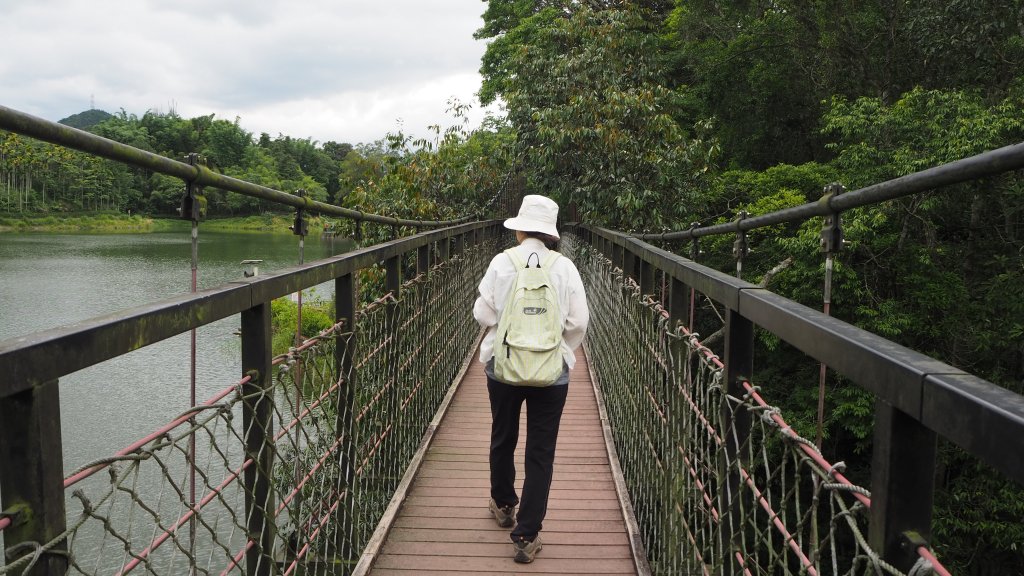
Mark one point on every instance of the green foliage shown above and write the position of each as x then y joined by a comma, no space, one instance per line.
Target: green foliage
766,70
317,316
594,125
454,173
38,177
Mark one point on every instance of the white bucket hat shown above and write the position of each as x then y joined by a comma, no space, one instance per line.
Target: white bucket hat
537,214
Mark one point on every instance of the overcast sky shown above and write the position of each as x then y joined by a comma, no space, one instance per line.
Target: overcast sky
343,70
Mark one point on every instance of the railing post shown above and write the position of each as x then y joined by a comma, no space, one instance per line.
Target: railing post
393,284
902,484
739,366
678,302
32,475
258,424
423,259
694,255
393,275
617,257
630,264
344,362
444,249
645,276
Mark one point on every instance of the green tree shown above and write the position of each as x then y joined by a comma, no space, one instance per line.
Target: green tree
595,126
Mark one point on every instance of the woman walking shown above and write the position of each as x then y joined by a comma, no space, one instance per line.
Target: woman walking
521,287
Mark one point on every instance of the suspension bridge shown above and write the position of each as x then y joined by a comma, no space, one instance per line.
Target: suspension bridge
363,450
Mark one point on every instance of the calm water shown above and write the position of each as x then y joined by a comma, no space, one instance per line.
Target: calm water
49,280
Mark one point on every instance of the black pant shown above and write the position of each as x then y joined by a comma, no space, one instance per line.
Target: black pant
543,413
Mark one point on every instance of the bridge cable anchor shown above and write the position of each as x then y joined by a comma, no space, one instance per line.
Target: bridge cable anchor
740,247
300,225
832,229
831,241
193,203
695,247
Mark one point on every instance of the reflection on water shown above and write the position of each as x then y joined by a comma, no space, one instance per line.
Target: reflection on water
49,280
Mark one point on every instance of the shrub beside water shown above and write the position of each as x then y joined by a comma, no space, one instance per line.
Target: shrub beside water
317,316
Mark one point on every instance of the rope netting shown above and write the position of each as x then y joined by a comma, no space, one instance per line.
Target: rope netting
774,506
329,449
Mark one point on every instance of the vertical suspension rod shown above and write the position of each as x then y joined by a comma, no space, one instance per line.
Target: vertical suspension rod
831,242
193,208
300,228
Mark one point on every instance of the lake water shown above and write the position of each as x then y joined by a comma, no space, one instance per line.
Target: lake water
51,280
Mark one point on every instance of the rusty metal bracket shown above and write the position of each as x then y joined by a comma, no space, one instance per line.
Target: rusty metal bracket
300,226
695,247
740,247
832,229
193,203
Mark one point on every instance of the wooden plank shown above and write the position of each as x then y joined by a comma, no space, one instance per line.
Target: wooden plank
501,549
444,526
469,534
567,492
505,564
476,509
399,572
553,523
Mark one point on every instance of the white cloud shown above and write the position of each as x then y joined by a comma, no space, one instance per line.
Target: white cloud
329,70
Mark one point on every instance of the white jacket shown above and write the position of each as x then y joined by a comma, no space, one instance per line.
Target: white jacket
572,300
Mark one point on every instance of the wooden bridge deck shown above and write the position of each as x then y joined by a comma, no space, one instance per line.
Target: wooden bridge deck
444,527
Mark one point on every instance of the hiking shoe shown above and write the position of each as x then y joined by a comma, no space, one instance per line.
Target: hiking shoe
503,515
526,550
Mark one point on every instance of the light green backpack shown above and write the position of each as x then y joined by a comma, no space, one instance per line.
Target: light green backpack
529,338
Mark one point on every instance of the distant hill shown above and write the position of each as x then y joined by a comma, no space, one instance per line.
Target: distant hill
87,119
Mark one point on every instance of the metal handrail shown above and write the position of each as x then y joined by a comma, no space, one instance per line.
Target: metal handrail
922,387
55,133
918,398
30,360
981,165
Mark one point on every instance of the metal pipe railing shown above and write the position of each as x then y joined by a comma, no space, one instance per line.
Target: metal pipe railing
918,398
985,164
31,466
54,133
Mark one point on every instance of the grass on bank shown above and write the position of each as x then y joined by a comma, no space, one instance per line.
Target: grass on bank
110,222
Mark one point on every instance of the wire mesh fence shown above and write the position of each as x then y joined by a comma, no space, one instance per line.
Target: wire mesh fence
771,506
290,476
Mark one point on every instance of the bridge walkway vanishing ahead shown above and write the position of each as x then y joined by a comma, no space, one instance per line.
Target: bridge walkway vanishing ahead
443,525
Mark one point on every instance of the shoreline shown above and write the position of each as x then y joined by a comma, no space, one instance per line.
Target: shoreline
136,224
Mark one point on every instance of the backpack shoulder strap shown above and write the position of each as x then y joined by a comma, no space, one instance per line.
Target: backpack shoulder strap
517,262
550,260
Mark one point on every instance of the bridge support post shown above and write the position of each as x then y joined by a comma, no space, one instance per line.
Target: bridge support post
902,484
630,264
645,277
444,249
258,425
618,257
678,302
344,362
397,389
739,366
423,256
32,474
457,243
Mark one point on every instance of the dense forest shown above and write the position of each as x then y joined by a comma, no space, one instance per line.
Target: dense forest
651,115
396,175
